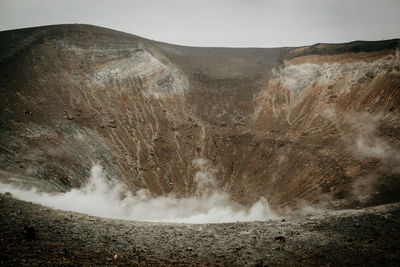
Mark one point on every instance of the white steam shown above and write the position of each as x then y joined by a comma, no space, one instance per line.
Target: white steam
371,143
103,198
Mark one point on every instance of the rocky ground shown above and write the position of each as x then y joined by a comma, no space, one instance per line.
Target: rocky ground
35,235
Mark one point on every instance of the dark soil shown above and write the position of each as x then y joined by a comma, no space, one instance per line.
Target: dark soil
35,235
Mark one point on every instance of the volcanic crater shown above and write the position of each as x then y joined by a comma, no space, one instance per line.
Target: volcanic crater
301,128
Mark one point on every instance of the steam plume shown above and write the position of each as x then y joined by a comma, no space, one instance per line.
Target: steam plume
101,197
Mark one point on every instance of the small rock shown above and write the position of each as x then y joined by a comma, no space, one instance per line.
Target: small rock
69,117
280,238
30,232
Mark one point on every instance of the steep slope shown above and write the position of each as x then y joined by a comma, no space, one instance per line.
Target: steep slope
316,123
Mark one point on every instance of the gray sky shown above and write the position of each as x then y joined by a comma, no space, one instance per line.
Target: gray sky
232,23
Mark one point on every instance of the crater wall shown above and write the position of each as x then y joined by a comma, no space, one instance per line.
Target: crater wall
292,125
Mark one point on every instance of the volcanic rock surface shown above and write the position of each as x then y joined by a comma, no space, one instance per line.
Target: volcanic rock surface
366,237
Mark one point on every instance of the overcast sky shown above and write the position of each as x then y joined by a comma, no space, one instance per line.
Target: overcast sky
232,23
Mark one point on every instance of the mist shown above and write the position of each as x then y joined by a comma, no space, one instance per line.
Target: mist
366,141
111,199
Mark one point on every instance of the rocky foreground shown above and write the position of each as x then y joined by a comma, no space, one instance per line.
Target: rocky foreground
35,235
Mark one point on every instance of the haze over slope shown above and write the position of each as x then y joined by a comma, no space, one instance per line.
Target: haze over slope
287,124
